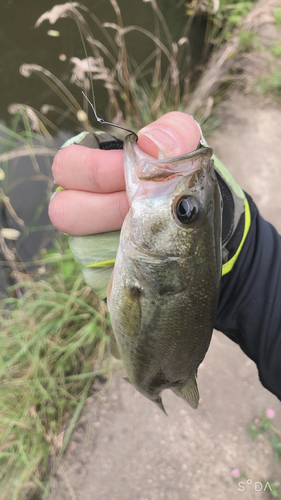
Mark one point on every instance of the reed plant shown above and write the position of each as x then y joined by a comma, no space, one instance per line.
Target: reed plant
54,330
137,94
28,139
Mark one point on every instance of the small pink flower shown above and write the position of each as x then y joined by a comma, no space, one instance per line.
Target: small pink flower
257,420
235,473
270,413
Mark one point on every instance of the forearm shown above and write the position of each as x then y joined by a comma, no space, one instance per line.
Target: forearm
249,310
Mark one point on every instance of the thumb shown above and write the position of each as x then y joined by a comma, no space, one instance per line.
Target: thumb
173,134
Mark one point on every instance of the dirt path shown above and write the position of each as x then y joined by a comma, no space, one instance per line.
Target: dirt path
128,449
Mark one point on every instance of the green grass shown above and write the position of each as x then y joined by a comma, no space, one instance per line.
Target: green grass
247,40
276,49
270,84
263,425
54,332
262,429
50,340
277,16
222,22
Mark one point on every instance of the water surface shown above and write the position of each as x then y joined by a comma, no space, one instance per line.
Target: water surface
22,43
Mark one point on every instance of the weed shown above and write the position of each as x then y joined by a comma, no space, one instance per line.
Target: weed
50,340
52,334
138,93
276,49
262,425
275,489
223,17
247,40
270,84
210,124
28,138
277,16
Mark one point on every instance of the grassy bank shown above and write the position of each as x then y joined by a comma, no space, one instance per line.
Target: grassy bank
54,331
53,344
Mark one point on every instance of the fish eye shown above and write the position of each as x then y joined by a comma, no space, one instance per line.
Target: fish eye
187,209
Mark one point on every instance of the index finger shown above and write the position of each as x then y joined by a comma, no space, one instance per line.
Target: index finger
94,170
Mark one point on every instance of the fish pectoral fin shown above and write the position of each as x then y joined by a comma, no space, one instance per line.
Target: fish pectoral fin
189,392
160,405
114,350
130,311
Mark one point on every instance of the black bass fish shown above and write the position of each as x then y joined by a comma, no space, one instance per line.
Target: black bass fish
164,290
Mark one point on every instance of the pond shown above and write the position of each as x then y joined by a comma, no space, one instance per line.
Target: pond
23,43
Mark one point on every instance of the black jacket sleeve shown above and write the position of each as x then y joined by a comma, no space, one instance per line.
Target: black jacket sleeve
249,310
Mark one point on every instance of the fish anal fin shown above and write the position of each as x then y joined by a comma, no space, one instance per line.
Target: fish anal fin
189,392
160,405
114,350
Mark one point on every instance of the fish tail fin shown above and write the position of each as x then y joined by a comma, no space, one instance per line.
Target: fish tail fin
189,392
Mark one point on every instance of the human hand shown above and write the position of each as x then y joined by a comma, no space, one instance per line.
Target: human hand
94,199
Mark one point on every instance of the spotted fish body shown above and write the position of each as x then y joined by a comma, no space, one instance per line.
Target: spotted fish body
164,290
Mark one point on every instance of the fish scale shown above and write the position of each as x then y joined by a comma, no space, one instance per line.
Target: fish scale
165,286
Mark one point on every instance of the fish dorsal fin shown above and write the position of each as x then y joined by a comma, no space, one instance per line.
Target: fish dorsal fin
189,392
114,348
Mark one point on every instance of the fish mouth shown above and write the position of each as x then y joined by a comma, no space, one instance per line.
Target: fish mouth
149,168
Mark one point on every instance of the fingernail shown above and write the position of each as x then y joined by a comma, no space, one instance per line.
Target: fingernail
164,139
75,140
